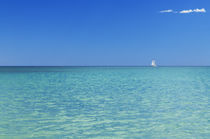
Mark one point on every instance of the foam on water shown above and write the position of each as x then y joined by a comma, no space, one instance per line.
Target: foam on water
104,102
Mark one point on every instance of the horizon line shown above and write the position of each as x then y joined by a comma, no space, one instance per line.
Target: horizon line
103,66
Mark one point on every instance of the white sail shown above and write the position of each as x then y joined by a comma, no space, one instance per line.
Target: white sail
153,63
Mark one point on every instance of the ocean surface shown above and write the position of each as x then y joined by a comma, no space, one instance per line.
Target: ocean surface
104,102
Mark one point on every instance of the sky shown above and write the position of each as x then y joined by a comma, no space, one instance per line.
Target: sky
104,32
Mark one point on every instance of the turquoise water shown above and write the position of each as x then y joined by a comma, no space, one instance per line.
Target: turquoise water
104,102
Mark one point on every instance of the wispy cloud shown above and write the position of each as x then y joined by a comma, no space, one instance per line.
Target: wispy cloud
166,11
194,10
203,10
200,10
186,11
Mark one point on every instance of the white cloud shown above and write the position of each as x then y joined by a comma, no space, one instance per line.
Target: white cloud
186,11
202,10
194,10
166,11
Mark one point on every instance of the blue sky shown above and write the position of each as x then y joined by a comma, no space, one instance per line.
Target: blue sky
104,32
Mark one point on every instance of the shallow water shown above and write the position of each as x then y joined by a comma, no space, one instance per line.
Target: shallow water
104,102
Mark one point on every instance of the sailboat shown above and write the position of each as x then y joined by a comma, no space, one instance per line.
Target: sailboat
153,64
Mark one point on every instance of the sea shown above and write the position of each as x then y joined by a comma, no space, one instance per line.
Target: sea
104,102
